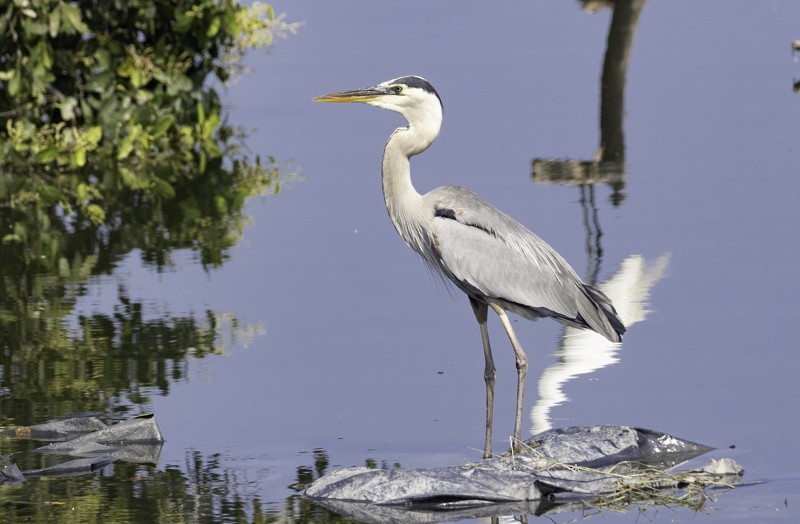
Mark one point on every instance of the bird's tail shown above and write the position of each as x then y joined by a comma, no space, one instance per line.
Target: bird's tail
605,319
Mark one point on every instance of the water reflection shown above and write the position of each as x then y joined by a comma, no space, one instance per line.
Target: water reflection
301,510
607,165
54,361
583,351
202,490
111,364
580,351
48,256
795,49
640,495
615,71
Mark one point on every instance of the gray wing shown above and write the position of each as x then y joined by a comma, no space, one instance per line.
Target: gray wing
489,254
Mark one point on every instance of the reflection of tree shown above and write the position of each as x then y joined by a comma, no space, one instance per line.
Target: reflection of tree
608,164
113,361
591,222
300,510
583,351
48,254
204,491
201,490
117,143
46,259
795,48
615,69
205,214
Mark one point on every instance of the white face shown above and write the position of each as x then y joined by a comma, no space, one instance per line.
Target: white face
399,97
411,96
418,106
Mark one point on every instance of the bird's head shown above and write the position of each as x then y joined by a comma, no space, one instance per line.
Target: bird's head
411,96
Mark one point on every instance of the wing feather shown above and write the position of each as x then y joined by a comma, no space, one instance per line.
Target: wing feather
487,253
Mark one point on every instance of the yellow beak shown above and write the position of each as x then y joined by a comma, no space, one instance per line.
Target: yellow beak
366,94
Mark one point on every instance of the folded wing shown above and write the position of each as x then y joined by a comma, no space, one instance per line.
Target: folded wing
491,256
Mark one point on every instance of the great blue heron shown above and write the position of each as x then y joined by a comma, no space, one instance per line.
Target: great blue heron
485,253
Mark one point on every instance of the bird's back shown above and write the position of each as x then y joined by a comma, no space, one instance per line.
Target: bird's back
492,257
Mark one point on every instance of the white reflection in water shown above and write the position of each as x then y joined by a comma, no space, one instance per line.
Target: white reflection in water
583,351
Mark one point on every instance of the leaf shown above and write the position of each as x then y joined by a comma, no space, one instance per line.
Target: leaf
182,22
213,27
115,48
68,108
211,147
86,111
44,53
5,18
201,113
99,82
129,69
92,136
46,156
78,157
30,27
164,188
20,230
102,57
211,124
73,15
128,178
55,22
187,136
163,125
14,84
221,204
181,83
125,148
95,213
49,194
126,68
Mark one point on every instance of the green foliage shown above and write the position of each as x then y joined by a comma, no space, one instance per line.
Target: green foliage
113,105
200,489
109,361
112,138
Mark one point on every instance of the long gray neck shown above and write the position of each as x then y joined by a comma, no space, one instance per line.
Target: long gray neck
405,206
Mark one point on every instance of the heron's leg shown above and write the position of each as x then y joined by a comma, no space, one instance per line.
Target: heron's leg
481,309
522,371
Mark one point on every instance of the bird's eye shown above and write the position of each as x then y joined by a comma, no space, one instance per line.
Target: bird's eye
398,89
